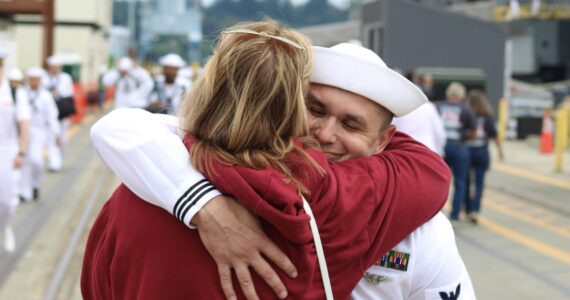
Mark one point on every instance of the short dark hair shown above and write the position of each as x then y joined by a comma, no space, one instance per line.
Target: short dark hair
387,115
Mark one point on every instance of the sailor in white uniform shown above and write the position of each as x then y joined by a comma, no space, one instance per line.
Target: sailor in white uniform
60,85
169,87
14,133
186,73
145,151
425,125
133,84
44,126
425,265
16,80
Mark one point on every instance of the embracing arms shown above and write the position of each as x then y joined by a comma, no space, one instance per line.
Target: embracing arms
146,152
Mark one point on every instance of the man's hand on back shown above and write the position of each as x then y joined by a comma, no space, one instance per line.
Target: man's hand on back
234,238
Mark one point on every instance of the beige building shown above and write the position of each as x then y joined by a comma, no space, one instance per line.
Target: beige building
8,41
80,36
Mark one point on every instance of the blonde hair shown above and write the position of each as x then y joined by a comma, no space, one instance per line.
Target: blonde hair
478,101
455,90
248,105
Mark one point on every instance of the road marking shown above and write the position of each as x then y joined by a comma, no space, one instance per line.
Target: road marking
550,220
530,175
512,203
552,252
525,217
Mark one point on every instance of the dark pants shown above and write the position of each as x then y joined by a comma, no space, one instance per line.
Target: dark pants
479,164
457,158
101,100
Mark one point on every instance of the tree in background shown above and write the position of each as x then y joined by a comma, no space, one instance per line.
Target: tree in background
223,13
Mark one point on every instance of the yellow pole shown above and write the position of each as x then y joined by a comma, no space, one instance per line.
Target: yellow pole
502,116
561,135
195,69
566,107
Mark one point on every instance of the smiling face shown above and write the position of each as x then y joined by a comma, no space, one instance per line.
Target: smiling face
347,125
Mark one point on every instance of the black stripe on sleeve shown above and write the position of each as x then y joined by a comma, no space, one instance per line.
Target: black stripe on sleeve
189,190
195,201
184,202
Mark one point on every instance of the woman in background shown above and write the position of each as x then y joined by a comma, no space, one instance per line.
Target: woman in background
479,150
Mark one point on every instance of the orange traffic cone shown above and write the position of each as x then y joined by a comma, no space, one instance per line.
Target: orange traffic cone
80,103
546,136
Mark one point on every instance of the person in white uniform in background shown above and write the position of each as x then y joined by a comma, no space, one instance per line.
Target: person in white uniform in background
169,88
133,84
44,126
14,134
425,125
145,151
187,74
16,80
60,85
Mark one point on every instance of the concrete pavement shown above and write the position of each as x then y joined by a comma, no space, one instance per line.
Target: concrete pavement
521,248
44,229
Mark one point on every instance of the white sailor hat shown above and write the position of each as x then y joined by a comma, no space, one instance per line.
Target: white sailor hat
15,74
35,72
172,60
54,60
125,64
358,70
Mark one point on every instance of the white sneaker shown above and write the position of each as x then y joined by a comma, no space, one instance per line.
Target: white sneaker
9,239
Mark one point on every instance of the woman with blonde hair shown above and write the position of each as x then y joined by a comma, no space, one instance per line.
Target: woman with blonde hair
249,106
480,159
247,132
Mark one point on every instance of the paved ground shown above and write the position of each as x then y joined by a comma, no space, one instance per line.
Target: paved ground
520,250
51,232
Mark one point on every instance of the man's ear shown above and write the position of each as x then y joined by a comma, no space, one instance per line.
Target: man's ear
385,137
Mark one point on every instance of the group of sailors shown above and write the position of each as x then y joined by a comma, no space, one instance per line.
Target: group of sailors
33,123
136,88
30,126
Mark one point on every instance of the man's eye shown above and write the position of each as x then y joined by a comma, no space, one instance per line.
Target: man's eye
350,126
316,112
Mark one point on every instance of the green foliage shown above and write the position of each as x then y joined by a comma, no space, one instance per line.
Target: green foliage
223,13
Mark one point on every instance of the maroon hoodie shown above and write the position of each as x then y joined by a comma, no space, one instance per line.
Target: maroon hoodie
363,208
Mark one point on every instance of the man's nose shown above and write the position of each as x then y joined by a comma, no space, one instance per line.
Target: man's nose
324,131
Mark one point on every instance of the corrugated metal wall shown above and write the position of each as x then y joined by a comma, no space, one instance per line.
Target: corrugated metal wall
416,35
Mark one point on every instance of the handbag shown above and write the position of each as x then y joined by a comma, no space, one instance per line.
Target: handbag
66,107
